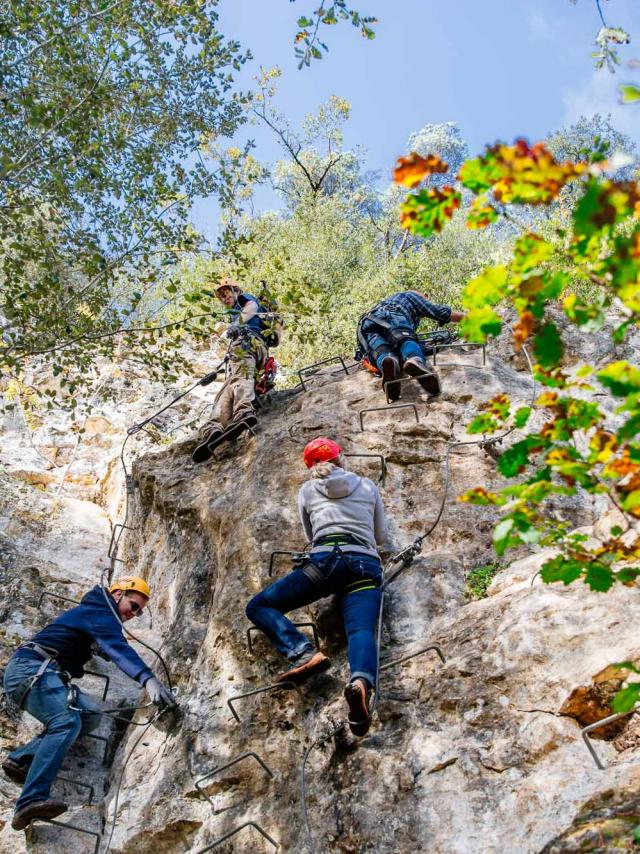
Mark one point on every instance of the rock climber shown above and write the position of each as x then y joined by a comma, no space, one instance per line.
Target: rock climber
387,336
343,519
38,679
249,334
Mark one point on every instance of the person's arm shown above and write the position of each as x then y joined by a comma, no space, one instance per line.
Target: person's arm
442,314
304,516
380,527
106,630
249,310
457,316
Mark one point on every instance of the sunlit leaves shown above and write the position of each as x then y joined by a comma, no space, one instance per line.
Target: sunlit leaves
518,174
629,93
413,169
428,211
328,14
486,289
479,324
603,204
481,215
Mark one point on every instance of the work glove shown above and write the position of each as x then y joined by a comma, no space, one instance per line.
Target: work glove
158,694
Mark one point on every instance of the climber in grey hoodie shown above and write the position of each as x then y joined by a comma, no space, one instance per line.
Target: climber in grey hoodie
343,519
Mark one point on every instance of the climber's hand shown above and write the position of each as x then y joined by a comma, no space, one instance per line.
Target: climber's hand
158,694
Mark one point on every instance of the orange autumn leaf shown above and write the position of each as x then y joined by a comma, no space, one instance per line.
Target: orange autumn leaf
411,170
523,328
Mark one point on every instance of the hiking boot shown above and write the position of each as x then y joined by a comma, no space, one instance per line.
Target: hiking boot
357,695
247,422
391,371
202,453
15,771
428,378
309,664
39,809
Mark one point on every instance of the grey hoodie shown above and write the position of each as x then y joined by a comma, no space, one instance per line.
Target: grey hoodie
344,503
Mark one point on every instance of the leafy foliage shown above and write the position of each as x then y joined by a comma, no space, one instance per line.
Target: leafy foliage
104,113
309,46
478,580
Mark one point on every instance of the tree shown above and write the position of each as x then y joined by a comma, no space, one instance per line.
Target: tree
104,109
596,135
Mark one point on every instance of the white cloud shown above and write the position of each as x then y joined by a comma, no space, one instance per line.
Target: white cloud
600,95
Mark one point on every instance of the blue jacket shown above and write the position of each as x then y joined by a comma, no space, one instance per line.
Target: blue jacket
92,621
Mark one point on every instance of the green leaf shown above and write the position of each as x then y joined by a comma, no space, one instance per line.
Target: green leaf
629,93
483,423
621,378
599,578
515,459
561,568
501,535
522,416
428,211
479,324
486,289
626,699
547,346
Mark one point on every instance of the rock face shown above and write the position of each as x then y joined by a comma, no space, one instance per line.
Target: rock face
481,754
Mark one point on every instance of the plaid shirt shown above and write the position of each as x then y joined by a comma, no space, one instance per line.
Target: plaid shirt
414,306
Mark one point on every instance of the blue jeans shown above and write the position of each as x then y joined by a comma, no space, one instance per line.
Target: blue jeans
360,608
46,701
379,342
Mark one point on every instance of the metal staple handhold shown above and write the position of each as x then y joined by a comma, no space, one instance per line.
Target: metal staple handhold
383,464
387,408
55,596
432,646
278,552
100,676
584,732
459,345
75,828
233,832
222,768
310,625
286,686
105,740
77,783
318,364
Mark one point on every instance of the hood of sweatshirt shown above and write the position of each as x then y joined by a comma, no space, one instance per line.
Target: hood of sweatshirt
96,598
339,484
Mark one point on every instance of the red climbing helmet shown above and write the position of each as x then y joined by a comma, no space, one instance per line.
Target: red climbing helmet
320,450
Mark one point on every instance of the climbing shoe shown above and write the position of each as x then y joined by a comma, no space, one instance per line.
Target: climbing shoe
248,422
428,378
357,695
202,453
14,771
309,664
39,809
391,371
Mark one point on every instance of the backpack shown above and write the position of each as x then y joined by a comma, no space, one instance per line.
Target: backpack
273,323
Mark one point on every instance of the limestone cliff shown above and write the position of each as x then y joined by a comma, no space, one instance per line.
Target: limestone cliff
481,754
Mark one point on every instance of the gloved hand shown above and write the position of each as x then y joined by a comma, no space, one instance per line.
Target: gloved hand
158,694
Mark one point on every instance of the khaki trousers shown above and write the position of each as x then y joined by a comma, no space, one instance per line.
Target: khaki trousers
234,401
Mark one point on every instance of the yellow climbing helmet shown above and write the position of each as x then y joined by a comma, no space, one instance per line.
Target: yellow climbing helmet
131,583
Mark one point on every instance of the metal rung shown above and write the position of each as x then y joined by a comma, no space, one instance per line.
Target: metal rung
55,596
584,732
100,676
222,768
298,625
387,408
275,554
459,345
106,744
231,833
383,464
318,364
113,538
75,828
404,379
432,646
77,783
285,686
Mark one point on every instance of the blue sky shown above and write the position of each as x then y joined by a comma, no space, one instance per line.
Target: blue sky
498,68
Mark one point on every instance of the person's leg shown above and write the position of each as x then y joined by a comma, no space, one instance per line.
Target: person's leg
377,343
360,610
47,702
411,349
249,361
90,714
266,610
